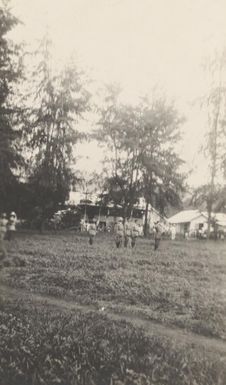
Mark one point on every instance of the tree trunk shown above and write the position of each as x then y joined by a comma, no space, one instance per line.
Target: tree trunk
214,153
209,222
42,226
146,219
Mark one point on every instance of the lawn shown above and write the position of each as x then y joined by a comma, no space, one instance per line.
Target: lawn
39,346
182,284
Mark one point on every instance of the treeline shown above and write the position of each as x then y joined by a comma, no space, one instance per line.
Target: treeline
143,161
39,110
40,114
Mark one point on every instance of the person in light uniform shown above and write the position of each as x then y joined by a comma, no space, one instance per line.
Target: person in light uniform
3,230
119,232
11,226
173,232
92,230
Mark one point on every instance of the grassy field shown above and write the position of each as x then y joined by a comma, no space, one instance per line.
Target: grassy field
183,284
39,345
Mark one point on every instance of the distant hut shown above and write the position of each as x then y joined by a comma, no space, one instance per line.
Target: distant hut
189,222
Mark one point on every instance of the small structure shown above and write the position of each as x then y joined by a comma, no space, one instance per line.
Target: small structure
220,219
189,222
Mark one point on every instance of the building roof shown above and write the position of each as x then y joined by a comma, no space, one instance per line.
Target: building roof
220,219
220,216
186,216
75,197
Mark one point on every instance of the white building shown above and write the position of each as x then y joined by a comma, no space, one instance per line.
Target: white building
76,198
220,221
189,221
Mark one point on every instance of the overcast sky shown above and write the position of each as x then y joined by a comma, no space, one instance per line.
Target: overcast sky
138,43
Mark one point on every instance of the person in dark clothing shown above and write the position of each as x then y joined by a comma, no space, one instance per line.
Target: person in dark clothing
134,233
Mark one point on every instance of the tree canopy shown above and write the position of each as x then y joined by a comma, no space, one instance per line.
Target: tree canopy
59,99
10,74
143,161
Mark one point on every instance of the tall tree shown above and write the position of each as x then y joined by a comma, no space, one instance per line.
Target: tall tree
117,131
10,73
215,147
143,160
160,164
58,102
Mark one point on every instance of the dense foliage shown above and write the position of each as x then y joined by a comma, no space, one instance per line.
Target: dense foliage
143,161
10,73
50,132
212,195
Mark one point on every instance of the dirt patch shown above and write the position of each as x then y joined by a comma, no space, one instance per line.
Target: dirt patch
179,336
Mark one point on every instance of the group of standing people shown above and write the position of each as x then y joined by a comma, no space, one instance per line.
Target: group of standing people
7,230
126,233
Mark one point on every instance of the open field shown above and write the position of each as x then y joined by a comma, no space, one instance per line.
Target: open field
180,287
46,345
183,283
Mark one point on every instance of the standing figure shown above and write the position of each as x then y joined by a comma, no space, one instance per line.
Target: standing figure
128,233
11,226
82,225
56,220
173,232
157,234
134,233
92,231
119,232
3,230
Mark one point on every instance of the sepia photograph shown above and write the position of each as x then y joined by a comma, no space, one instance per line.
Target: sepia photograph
112,192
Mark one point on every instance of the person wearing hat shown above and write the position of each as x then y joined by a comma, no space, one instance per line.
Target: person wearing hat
11,225
92,231
157,234
3,230
119,232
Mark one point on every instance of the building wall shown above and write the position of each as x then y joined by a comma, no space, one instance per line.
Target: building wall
179,228
194,224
